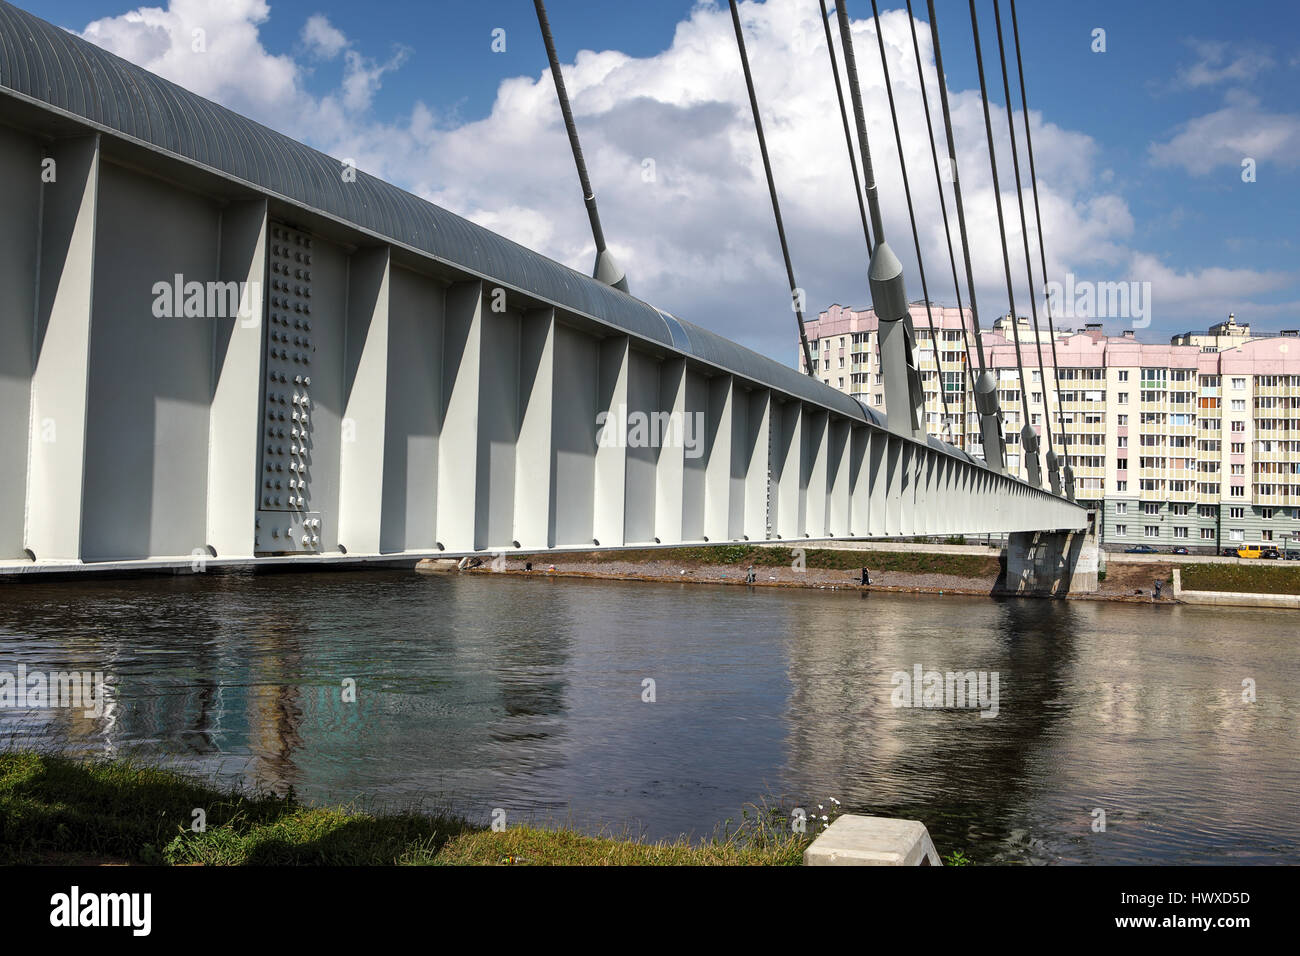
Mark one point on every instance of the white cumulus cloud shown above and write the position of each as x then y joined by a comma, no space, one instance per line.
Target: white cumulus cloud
674,159
322,38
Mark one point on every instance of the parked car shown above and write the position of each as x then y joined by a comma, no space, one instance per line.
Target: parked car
1180,551
1291,555
1270,554
1248,552
1141,549
1229,552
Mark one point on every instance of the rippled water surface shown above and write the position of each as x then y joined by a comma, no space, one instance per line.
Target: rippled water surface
485,691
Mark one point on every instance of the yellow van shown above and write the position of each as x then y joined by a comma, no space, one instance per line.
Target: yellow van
1249,552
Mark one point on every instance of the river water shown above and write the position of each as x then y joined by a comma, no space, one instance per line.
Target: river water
478,692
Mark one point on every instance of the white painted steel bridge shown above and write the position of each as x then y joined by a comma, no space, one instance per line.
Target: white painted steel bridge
395,383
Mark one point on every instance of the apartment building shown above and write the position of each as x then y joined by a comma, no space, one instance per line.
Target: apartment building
1193,444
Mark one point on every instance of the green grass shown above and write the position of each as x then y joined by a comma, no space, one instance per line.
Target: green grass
54,809
1249,578
741,556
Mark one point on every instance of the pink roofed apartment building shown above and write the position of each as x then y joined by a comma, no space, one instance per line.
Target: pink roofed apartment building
1192,444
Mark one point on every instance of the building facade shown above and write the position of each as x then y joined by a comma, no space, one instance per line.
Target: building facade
1193,444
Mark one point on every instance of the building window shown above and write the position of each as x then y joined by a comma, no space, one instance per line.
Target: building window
1180,531
1236,512
1238,383
1266,512
1207,534
1123,398
1123,375
1121,529
1151,530
1122,420
1121,507
1150,508
1266,535
1179,510
1121,485
1236,534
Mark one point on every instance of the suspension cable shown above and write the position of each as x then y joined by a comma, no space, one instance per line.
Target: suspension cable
771,189
1002,226
864,146
938,182
606,269
1042,254
911,215
844,118
956,186
1024,229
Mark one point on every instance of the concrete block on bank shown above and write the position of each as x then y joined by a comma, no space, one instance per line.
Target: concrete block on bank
1232,598
857,840
436,565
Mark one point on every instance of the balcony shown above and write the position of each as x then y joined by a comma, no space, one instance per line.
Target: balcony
1089,471
1278,453
1083,428
1080,406
1277,498
1281,436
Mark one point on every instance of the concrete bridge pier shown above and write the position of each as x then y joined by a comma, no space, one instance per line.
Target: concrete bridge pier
1052,563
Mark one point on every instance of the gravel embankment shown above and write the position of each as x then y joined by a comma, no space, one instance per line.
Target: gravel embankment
1122,583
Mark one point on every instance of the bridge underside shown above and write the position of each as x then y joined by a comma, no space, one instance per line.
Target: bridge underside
368,400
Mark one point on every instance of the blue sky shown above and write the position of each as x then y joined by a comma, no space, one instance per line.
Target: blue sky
1139,146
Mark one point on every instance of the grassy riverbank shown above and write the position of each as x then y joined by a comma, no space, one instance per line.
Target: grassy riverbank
1248,578
57,810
